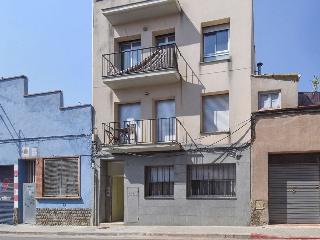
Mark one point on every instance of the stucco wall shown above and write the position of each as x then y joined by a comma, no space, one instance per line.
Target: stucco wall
40,121
286,84
287,132
231,76
181,210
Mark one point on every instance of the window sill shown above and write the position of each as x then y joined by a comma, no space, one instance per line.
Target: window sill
211,198
159,198
216,61
58,198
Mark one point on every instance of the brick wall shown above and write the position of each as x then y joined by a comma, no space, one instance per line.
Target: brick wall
63,217
39,177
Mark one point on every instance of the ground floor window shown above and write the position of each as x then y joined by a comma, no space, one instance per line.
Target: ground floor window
159,181
61,177
212,180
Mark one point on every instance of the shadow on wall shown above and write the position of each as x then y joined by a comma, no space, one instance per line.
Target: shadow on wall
11,130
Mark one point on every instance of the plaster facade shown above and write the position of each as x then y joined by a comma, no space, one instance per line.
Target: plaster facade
35,127
197,79
292,131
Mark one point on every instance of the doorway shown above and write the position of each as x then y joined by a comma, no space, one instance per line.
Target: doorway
115,192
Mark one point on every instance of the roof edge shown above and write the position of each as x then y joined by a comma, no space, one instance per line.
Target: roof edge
310,108
284,77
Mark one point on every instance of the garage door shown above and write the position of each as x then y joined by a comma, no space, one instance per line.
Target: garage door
6,194
294,195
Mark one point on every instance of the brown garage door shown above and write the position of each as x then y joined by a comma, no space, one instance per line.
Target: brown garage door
294,195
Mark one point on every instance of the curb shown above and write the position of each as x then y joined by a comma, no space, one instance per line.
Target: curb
266,236
155,234
131,234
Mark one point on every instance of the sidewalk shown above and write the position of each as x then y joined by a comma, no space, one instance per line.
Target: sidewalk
266,232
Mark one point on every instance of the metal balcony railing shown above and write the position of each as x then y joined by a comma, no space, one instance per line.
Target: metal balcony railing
140,60
141,131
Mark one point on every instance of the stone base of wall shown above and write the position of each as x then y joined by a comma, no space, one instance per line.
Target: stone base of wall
16,216
63,217
259,212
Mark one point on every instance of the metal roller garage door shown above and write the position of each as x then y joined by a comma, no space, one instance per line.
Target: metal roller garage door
294,195
6,194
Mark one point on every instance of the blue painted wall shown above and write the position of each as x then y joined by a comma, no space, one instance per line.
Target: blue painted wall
41,121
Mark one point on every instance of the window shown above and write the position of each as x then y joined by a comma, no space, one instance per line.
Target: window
130,54
165,39
159,181
166,121
215,113
216,43
214,180
269,100
61,177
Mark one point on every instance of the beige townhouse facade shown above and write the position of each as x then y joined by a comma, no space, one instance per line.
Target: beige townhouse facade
172,101
285,163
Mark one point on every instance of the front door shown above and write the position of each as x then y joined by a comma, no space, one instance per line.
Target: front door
115,192
29,203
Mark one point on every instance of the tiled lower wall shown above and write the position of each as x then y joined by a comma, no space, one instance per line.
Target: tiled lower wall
63,217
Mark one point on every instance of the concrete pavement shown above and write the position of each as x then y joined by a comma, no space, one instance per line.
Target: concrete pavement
118,230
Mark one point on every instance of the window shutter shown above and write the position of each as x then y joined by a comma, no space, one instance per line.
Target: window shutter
216,113
52,177
61,177
69,177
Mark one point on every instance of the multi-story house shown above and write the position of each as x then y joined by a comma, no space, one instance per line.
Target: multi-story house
172,99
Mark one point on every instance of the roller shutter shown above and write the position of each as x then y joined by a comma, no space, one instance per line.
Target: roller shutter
294,195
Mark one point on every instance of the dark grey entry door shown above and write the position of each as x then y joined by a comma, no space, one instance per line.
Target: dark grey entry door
294,194
29,203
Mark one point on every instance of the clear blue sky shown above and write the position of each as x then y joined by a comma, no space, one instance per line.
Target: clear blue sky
50,42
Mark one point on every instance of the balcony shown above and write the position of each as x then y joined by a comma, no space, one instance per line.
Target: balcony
140,11
151,135
141,67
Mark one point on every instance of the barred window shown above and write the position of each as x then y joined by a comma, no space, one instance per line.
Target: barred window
159,181
61,177
214,180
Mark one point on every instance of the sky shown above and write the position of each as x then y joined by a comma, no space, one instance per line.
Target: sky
50,43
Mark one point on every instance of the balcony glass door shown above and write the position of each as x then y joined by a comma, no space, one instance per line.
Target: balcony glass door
166,122
129,125
130,54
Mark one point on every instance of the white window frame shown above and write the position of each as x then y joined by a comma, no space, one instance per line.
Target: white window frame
127,57
269,94
216,122
218,55
166,37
